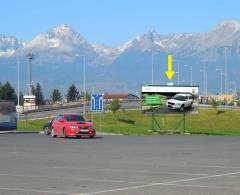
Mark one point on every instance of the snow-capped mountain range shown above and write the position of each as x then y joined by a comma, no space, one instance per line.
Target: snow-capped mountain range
60,48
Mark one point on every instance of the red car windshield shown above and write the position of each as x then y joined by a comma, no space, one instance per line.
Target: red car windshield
74,118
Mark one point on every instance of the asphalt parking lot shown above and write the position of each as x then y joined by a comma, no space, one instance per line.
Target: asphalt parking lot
36,164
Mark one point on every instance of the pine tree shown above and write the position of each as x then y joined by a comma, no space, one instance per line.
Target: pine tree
1,90
21,100
7,92
56,96
72,94
33,90
88,95
39,95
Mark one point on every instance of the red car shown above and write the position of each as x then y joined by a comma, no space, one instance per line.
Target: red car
68,125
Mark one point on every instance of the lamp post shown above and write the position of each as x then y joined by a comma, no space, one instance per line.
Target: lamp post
30,57
225,72
152,67
234,86
221,84
191,82
18,86
178,74
152,64
84,82
201,70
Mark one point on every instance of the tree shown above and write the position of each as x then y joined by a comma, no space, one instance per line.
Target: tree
1,90
72,94
88,95
56,96
114,106
33,90
39,95
21,100
7,92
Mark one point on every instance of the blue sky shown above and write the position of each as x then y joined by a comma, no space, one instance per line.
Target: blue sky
113,22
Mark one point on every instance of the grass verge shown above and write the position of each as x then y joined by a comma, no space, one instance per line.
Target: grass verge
207,121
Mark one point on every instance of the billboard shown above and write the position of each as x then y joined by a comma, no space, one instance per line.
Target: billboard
29,102
169,98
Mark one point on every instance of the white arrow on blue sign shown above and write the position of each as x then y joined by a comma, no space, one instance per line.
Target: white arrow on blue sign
97,102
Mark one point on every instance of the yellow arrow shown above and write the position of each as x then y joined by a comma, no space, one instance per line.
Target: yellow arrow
170,73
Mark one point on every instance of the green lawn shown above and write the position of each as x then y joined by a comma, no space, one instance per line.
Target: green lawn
207,121
210,121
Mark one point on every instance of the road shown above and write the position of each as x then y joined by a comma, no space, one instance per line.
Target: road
33,164
79,109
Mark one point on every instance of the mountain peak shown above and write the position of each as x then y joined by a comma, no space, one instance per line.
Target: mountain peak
62,29
233,25
9,44
152,31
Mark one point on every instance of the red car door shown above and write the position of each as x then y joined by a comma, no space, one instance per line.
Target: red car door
60,125
57,125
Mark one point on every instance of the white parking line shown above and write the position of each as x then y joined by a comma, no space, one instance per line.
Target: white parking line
131,171
158,184
34,190
203,186
74,178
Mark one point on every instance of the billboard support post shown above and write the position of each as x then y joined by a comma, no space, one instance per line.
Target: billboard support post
184,122
26,120
153,121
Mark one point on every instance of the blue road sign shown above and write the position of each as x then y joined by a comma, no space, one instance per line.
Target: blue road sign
97,102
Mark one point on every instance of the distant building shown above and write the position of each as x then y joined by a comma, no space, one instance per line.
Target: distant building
224,98
120,97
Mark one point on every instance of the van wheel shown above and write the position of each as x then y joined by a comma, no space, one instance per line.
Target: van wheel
182,108
191,106
52,133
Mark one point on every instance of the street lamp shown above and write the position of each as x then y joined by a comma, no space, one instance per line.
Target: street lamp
221,75
152,59
152,67
84,81
18,86
30,57
235,86
190,73
225,71
178,74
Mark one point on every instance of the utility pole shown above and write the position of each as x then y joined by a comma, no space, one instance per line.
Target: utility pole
18,86
152,67
225,72
30,57
84,83
205,75
178,73
191,80
221,81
